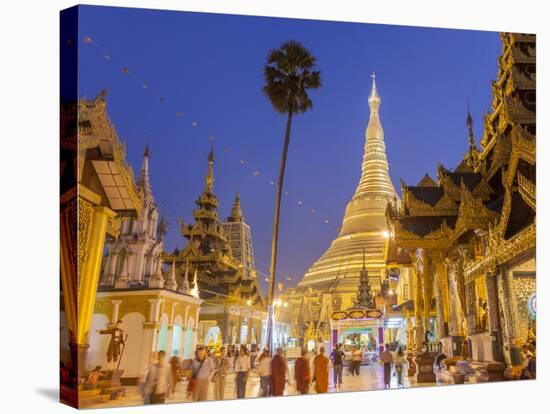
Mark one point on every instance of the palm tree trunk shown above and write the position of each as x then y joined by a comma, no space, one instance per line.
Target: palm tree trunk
275,236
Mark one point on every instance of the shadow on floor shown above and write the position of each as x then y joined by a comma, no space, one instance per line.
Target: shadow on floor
49,393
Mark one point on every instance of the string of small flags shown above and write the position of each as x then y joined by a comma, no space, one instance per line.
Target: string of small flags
162,98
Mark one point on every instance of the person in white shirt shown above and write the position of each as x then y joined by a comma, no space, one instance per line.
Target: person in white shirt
157,381
263,369
202,369
242,368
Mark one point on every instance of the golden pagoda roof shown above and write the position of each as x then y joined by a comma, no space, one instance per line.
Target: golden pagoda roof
364,225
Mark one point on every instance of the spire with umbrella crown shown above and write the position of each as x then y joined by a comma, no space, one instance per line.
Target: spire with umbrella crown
171,281
209,184
143,182
364,295
195,290
236,211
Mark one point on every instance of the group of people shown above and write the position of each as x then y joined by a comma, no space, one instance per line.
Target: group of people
529,357
390,362
338,356
161,377
397,362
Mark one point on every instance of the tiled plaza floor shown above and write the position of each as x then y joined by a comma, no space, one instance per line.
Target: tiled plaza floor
371,377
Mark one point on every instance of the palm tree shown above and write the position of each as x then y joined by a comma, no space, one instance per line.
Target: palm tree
289,73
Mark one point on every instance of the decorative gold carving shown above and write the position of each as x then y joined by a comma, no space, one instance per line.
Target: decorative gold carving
439,238
71,218
505,213
527,190
113,226
95,129
105,307
500,251
85,215
524,144
139,305
516,111
472,213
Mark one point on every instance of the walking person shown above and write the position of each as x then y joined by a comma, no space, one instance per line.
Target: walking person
221,364
320,371
242,369
279,370
337,356
302,373
254,352
157,381
263,369
175,371
235,358
387,360
356,358
202,369
400,361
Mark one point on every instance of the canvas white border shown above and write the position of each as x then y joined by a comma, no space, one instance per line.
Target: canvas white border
29,203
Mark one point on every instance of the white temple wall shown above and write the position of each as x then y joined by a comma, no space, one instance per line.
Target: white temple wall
97,352
131,360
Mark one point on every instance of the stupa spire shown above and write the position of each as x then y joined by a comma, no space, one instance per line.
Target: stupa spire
171,283
195,291
364,223
374,98
209,182
185,284
144,181
236,211
470,125
364,294
472,156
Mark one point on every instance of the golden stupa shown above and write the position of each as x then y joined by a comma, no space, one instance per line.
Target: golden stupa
364,224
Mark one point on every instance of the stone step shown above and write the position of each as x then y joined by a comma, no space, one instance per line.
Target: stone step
89,401
114,392
88,393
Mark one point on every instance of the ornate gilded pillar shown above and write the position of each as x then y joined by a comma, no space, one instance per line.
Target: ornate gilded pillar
83,228
492,316
471,319
68,266
456,314
94,219
469,300
418,303
427,286
508,304
441,297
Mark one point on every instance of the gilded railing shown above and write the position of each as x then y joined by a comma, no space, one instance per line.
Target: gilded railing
527,189
528,145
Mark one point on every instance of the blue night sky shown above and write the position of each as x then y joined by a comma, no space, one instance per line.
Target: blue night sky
209,68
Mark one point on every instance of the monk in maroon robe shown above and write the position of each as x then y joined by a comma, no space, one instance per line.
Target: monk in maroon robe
302,373
278,373
320,371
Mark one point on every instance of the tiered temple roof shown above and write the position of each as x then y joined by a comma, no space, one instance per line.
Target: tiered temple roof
208,252
492,190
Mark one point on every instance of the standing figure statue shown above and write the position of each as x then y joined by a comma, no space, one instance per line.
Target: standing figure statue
115,343
483,315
